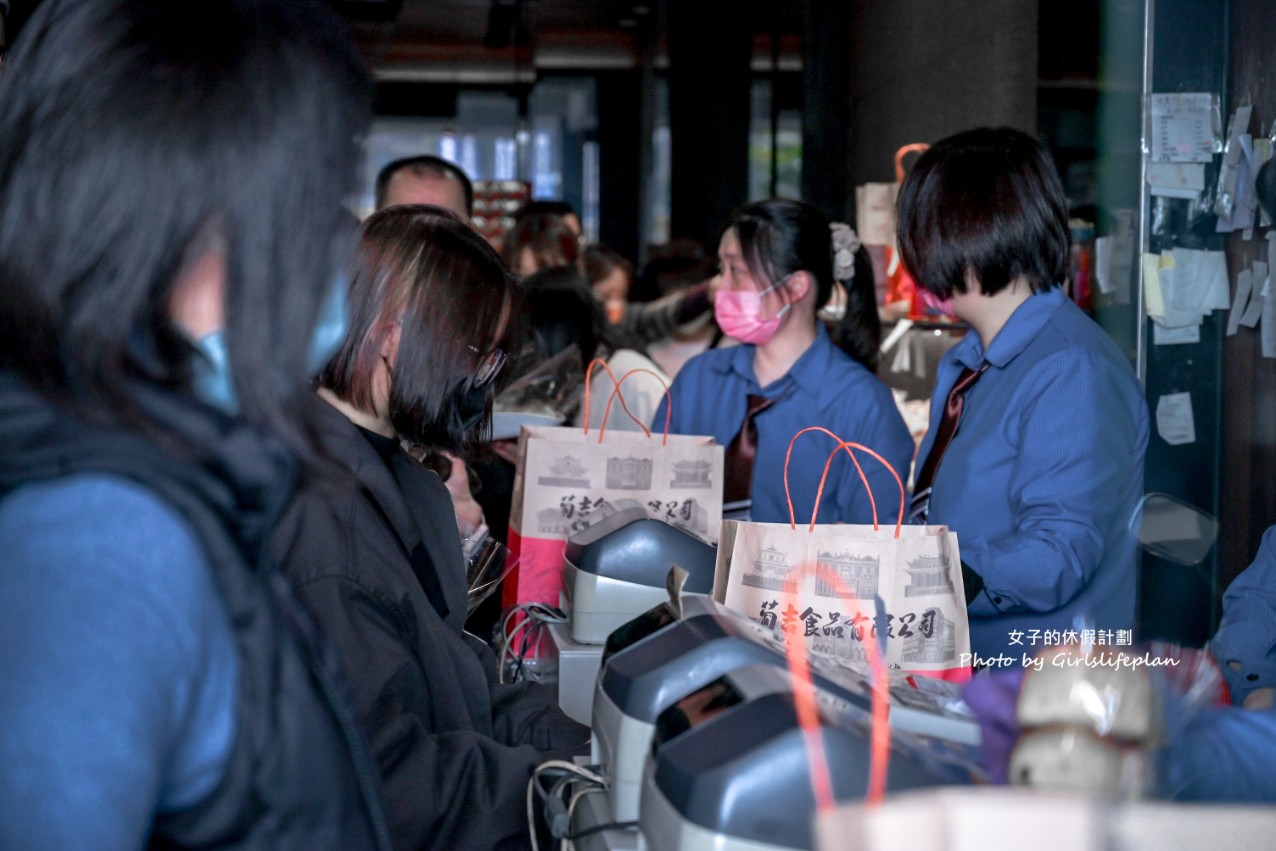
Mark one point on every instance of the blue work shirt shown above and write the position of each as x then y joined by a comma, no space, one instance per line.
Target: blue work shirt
1245,644
825,387
1043,476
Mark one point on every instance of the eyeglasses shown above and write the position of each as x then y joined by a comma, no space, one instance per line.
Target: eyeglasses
489,368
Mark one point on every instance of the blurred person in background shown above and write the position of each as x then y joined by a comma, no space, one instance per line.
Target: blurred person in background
380,563
539,239
672,267
610,276
558,208
649,323
563,312
171,242
426,179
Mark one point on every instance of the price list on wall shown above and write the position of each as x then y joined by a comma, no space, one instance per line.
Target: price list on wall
1183,127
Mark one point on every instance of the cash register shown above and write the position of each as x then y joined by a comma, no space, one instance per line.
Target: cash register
729,768
660,658
616,569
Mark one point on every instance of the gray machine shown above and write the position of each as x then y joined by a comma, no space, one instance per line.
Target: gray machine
656,660
730,771
616,569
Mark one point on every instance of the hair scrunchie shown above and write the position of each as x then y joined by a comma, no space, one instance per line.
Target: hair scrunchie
845,243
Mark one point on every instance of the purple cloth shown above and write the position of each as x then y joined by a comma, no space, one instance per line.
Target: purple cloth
993,696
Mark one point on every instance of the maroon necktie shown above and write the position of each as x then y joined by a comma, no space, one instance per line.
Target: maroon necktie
943,436
740,454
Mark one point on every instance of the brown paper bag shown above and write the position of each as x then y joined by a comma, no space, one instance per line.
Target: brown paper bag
875,203
563,475
822,582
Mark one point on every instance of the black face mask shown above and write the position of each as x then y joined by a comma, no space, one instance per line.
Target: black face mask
471,406
450,428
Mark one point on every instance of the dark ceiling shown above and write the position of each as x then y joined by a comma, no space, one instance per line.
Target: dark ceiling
492,41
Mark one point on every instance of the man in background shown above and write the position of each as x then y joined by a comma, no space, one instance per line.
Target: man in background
426,179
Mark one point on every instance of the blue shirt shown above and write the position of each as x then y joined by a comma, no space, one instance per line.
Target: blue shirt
1245,644
119,665
1224,755
1043,475
825,387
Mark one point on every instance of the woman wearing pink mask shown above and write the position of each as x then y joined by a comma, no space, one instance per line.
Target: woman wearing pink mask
778,260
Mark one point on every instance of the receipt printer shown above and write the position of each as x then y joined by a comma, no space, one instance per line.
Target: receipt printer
640,681
730,765
636,683
616,569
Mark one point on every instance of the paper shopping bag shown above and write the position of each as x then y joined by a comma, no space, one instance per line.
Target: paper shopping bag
875,203
563,475
822,582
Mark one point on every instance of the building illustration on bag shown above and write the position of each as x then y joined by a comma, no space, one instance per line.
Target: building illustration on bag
933,639
567,472
771,571
856,575
928,576
692,474
629,474
550,521
841,648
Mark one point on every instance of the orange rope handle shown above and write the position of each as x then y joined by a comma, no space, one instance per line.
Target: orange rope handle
589,376
808,713
616,393
828,462
846,445
916,147
808,717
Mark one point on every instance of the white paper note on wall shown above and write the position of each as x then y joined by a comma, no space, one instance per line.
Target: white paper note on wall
1175,336
1176,180
1174,420
1244,284
1254,311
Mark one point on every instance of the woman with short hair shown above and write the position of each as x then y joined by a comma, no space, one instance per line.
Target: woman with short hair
379,562
1041,479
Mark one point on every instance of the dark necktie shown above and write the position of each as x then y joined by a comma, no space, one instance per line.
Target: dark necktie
944,433
741,452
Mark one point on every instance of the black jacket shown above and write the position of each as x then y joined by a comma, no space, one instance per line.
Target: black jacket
384,576
298,776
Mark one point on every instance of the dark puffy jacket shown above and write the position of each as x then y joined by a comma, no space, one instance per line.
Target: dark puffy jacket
379,565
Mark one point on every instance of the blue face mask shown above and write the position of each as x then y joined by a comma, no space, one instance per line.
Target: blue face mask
212,381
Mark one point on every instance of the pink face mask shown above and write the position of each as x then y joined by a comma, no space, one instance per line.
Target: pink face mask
933,304
739,315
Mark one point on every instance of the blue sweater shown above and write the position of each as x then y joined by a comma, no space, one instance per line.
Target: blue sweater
119,665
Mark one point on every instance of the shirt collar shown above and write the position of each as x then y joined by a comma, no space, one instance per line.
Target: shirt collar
809,371
1020,329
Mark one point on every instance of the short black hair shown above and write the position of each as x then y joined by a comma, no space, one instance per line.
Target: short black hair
134,133
425,164
546,235
421,269
552,206
599,260
989,203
